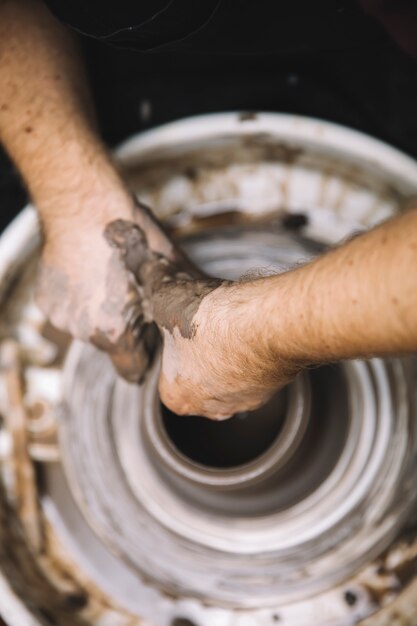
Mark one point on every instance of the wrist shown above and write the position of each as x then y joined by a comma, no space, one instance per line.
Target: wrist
273,318
88,194
251,340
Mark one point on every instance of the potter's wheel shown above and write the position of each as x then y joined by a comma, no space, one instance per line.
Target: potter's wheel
115,512
270,507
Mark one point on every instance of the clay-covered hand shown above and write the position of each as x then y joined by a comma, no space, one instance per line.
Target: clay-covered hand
85,289
213,363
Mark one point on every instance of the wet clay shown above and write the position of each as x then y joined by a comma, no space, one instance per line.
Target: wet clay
133,353
170,295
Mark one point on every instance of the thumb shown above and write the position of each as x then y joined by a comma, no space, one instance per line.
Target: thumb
172,296
149,268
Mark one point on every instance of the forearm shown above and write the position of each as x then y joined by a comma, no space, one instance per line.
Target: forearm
229,346
48,127
46,119
359,300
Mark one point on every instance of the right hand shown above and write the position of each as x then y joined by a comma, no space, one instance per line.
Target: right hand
215,359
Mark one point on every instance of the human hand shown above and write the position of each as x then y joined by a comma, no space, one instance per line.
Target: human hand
84,288
219,369
214,361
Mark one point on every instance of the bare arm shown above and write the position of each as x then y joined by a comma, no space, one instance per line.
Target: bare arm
47,125
228,347
358,300
46,119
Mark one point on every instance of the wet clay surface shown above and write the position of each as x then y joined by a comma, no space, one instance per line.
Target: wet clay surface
170,295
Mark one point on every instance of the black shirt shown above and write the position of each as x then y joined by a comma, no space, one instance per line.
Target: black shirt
221,27
239,26
347,61
350,61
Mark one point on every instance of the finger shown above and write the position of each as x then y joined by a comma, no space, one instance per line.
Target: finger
182,400
132,366
131,241
149,267
171,295
133,352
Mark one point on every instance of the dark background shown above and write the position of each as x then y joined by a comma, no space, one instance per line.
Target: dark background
350,72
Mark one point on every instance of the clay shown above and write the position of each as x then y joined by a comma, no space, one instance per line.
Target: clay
171,296
247,116
160,239
133,352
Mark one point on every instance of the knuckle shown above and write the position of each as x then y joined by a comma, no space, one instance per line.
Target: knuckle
174,398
